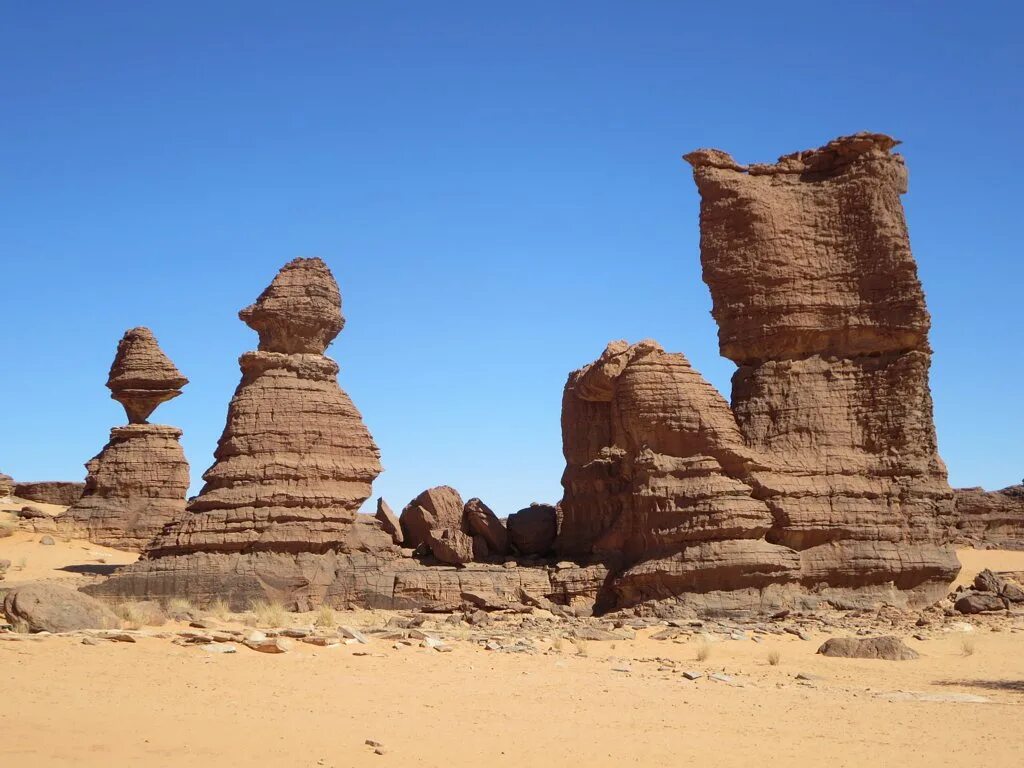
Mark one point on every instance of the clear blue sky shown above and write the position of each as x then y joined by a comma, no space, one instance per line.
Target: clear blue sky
498,189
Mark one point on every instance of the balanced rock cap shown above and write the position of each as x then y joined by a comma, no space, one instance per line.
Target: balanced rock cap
299,312
142,376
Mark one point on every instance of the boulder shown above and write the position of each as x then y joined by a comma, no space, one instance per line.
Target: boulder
986,581
389,521
979,602
481,521
450,546
31,513
532,530
47,607
888,648
440,507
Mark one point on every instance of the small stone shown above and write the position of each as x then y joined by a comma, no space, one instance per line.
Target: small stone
352,634
809,677
721,677
219,648
47,541
690,674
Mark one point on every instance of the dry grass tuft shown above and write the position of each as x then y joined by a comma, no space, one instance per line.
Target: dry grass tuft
219,609
20,626
178,605
269,614
558,644
703,650
581,647
774,657
136,615
967,646
325,618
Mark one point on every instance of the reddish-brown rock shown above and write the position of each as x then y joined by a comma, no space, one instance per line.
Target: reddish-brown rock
532,530
450,546
389,521
989,518
142,376
61,492
483,523
436,508
822,481
137,484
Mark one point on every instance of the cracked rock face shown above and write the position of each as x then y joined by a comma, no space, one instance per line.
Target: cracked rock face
137,484
826,462
993,518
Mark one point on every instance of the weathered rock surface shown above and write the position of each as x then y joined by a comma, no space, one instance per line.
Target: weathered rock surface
137,484
992,518
434,509
142,376
887,648
481,521
60,492
389,521
532,530
48,607
979,602
6,485
450,546
278,511
821,482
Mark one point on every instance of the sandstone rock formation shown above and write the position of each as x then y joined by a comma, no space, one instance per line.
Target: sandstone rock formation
137,484
484,524
822,482
60,492
989,518
889,648
6,485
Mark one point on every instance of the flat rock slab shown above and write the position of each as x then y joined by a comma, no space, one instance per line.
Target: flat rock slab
888,648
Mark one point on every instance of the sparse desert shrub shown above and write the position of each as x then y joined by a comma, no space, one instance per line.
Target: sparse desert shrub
136,615
20,626
269,613
774,657
219,609
22,563
967,646
558,644
581,647
325,618
703,650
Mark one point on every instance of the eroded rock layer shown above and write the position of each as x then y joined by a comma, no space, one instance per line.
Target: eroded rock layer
989,518
137,484
822,481
818,302
295,461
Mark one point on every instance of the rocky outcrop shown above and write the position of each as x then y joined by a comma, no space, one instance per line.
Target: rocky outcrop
137,484
6,485
532,530
888,648
989,518
293,466
61,492
43,606
822,481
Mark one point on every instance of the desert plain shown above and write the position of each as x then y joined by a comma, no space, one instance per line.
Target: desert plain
520,689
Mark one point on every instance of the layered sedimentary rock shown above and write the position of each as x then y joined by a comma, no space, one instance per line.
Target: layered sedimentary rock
61,492
989,518
137,484
6,485
822,481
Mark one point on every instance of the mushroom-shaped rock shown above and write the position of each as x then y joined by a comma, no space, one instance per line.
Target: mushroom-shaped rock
142,376
299,312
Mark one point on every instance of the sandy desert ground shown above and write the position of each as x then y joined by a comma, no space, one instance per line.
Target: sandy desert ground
592,703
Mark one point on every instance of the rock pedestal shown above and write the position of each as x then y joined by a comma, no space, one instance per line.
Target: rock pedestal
137,484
